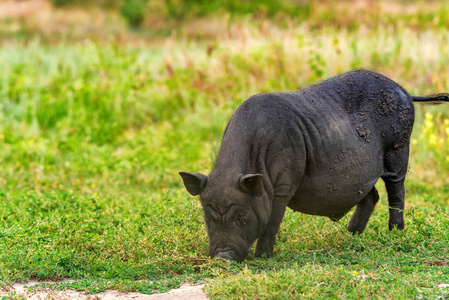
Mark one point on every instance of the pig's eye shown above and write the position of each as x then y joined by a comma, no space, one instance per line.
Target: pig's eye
211,223
213,220
240,221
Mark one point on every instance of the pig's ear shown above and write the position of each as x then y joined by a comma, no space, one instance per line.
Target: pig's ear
194,182
252,183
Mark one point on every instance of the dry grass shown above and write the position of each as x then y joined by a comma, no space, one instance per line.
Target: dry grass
39,18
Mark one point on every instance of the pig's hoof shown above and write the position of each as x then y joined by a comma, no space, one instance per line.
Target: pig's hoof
264,254
397,226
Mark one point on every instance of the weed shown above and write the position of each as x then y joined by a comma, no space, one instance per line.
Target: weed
133,11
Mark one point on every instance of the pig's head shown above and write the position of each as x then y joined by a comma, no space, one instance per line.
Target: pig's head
235,211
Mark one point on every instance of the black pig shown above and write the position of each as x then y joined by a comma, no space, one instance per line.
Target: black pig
319,151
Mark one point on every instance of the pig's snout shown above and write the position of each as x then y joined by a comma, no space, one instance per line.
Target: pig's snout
224,255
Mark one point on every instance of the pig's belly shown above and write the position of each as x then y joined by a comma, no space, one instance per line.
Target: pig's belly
326,194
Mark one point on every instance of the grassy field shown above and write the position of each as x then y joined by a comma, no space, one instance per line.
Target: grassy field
94,131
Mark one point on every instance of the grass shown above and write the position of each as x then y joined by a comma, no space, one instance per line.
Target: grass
93,133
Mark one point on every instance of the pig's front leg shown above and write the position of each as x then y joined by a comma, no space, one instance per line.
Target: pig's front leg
267,239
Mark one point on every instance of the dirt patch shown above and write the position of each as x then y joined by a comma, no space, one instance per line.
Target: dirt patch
186,291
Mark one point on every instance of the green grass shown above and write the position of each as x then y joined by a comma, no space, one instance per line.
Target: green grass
92,136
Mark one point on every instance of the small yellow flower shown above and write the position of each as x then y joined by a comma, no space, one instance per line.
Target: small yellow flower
71,191
429,116
354,273
95,194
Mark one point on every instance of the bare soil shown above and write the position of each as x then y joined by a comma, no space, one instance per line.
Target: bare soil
186,291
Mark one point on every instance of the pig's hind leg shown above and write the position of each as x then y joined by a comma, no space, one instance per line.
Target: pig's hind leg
396,165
